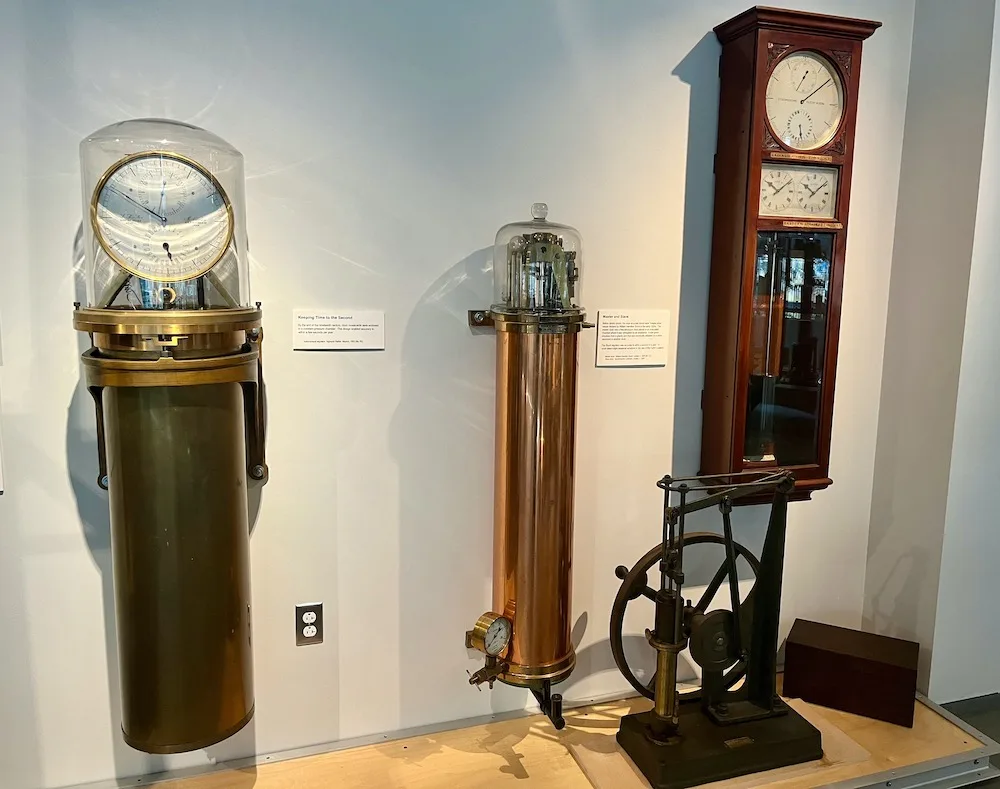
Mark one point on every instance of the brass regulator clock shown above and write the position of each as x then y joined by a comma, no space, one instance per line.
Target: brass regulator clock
175,372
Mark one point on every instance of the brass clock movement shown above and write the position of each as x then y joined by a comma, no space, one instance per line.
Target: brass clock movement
787,113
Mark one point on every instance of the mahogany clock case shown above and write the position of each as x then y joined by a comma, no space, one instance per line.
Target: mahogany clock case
753,45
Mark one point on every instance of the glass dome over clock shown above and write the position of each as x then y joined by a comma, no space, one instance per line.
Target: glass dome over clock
536,266
165,218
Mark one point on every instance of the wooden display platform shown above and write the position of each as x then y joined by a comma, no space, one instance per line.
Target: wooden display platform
853,747
527,752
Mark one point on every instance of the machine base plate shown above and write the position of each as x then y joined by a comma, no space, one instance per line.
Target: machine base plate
706,752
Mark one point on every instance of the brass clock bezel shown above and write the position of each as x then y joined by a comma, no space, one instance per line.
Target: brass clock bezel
842,83
193,164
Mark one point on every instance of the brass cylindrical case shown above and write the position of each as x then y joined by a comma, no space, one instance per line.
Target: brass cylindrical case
533,497
180,429
180,545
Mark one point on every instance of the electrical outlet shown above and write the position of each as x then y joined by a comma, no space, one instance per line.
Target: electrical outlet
308,624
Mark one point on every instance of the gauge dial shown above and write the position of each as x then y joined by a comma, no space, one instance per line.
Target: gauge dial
162,217
497,636
777,190
804,100
814,192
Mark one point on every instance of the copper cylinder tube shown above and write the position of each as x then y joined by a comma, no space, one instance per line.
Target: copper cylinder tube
533,497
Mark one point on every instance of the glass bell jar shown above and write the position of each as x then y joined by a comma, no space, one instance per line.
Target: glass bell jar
536,266
166,211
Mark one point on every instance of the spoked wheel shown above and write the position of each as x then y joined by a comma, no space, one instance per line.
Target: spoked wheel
635,584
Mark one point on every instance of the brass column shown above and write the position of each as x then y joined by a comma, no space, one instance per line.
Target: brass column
180,430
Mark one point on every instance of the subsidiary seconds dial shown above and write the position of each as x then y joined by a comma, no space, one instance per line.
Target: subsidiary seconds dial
162,217
804,100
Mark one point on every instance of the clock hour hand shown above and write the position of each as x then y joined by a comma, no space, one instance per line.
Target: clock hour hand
140,205
786,183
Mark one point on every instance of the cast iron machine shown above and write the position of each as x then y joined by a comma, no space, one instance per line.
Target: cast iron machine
735,723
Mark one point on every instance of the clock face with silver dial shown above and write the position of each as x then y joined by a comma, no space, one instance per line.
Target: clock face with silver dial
815,192
777,190
804,101
162,216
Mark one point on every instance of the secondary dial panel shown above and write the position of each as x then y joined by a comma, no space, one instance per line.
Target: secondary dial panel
804,191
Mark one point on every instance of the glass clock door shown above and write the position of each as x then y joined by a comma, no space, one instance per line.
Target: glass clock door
787,347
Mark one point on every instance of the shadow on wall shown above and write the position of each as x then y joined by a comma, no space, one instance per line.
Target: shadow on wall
894,606
441,437
699,70
92,507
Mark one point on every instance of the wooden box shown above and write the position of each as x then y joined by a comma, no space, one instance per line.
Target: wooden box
863,673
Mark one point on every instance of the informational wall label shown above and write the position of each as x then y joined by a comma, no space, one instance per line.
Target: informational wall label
339,330
632,338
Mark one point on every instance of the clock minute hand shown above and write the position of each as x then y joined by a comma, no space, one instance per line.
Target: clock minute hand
812,192
140,205
816,91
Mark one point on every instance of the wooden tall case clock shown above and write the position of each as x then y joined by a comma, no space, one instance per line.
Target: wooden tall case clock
787,111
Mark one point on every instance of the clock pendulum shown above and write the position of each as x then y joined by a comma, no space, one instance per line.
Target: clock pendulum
174,368
537,318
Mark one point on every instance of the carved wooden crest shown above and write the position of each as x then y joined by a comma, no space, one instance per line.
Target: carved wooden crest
769,142
844,59
775,51
839,145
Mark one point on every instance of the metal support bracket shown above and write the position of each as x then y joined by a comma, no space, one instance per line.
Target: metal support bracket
551,704
480,319
255,404
102,453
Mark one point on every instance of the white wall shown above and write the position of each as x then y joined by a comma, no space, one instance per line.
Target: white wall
932,259
385,143
968,617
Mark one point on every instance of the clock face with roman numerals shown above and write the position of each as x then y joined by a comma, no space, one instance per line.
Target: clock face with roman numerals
162,217
804,100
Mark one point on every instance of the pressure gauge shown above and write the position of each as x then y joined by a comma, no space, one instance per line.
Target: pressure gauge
161,216
491,634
